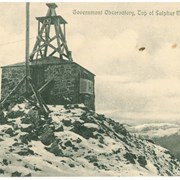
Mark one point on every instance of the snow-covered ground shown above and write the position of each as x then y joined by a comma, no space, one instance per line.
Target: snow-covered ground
74,141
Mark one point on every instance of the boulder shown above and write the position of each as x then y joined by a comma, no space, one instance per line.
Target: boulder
25,138
130,157
47,137
55,149
3,119
10,132
27,129
16,174
142,161
28,175
5,162
1,171
14,114
66,122
59,129
25,152
86,132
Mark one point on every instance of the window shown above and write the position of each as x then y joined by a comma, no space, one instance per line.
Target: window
86,86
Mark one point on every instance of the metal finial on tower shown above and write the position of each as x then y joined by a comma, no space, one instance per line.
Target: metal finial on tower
52,5
51,10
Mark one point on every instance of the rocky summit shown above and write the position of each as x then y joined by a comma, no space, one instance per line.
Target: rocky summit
75,141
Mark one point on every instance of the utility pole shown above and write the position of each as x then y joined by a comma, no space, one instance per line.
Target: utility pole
27,78
27,45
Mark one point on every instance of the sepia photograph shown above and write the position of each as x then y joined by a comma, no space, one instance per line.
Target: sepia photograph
89,89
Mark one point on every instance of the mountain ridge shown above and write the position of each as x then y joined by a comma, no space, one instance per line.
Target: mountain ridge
75,141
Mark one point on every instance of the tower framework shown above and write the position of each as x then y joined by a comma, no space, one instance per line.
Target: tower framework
45,43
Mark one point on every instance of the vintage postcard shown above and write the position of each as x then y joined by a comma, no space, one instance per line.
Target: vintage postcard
89,89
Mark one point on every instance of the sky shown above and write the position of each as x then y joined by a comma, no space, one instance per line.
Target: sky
132,85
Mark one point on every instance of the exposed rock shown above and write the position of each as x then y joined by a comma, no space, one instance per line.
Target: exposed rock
25,138
100,117
142,161
10,132
25,152
3,119
71,165
28,129
55,149
59,129
86,118
37,169
91,158
16,174
86,132
130,157
47,137
5,162
66,122
80,139
25,120
100,166
1,171
14,114
28,175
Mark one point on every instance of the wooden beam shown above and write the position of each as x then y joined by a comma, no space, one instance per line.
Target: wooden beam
47,43
64,32
37,43
58,41
27,44
37,96
45,105
14,90
41,53
64,41
43,88
52,47
65,55
41,46
53,52
47,30
53,38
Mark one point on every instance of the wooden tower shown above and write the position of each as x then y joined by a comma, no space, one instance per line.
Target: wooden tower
44,46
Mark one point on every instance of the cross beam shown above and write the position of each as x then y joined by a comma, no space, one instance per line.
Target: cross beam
45,42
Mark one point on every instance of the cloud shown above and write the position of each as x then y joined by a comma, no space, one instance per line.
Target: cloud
167,59
117,55
129,83
129,80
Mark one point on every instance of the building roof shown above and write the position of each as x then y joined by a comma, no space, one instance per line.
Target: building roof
46,61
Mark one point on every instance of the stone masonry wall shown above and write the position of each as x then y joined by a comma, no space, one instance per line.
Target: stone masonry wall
66,77
10,78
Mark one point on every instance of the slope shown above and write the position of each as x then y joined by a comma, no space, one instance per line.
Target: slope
74,141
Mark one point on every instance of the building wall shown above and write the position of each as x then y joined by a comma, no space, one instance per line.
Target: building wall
65,88
66,82
10,78
86,98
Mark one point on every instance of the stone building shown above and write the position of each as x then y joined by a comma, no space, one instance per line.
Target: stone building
59,79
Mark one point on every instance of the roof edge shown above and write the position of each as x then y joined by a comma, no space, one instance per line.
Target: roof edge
22,65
